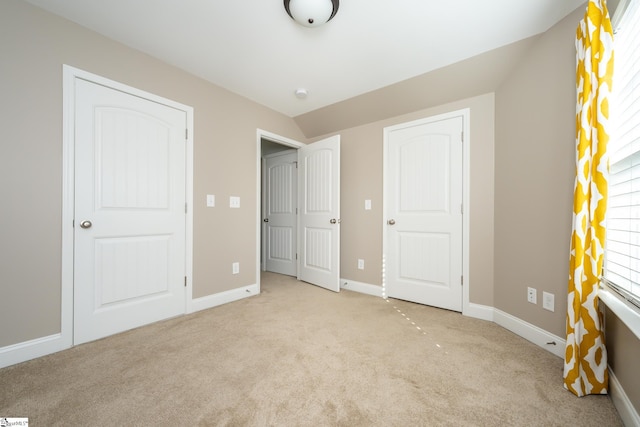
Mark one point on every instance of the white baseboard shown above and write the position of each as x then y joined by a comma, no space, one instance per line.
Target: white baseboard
27,350
478,311
215,300
531,332
21,352
622,403
363,288
526,330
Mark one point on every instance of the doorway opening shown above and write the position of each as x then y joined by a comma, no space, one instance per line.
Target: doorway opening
275,147
298,221
279,204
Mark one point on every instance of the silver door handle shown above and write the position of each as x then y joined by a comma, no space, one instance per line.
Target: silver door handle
333,221
391,221
86,224
266,220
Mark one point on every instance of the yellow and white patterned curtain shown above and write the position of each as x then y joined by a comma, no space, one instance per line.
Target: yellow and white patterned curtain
585,367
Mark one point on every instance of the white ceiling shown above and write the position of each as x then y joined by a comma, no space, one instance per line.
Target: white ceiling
253,48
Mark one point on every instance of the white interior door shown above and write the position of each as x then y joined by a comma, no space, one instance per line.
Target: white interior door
424,212
280,212
129,235
319,214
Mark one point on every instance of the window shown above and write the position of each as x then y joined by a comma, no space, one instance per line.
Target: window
622,246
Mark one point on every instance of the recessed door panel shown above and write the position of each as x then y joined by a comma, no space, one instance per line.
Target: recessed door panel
130,268
133,150
424,258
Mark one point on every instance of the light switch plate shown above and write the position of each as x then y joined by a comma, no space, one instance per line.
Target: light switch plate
211,200
367,205
234,202
548,301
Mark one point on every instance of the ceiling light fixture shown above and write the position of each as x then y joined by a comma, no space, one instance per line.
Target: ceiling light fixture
301,93
311,13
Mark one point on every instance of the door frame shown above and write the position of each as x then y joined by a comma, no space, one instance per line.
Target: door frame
260,135
466,151
70,74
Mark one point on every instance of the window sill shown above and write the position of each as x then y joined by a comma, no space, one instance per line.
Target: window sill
629,314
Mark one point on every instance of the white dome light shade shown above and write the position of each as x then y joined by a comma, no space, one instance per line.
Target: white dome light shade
311,13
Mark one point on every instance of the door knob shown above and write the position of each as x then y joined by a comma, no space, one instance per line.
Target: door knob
333,221
86,224
391,221
266,220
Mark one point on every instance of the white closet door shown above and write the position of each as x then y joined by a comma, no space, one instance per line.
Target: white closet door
424,213
129,235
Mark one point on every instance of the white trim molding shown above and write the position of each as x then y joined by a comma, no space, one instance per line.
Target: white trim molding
363,288
621,402
544,339
226,297
550,342
626,312
478,311
21,352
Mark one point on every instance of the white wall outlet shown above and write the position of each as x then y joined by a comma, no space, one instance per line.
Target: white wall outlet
235,268
548,301
211,200
367,205
234,202
532,295
360,264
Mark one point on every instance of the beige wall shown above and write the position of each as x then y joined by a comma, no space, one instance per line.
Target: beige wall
535,166
623,352
33,46
361,175
535,169
521,177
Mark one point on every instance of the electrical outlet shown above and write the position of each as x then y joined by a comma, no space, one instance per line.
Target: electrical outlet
532,295
360,264
235,268
548,301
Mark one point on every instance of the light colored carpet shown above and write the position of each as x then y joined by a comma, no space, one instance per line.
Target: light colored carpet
298,355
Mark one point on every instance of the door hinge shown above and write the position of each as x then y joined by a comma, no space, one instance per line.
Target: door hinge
461,209
462,136
296,163
186,134
185,208
461,280
296,256
185,281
